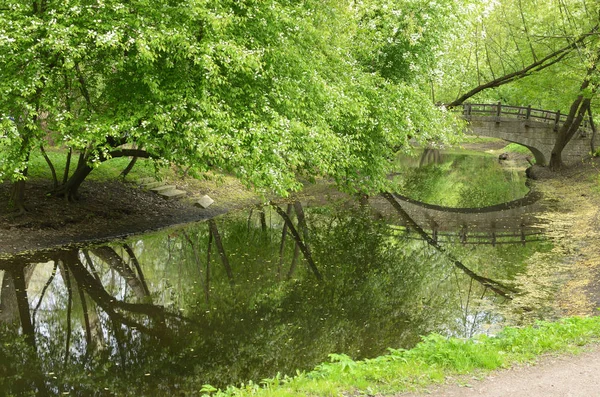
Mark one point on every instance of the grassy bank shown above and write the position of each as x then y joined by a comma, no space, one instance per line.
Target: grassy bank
431,361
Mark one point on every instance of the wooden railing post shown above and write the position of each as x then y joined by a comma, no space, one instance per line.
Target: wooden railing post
556,120
498,111
467,110
528,114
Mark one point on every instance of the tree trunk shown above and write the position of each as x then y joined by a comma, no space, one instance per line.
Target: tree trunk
70,190
51,166
68,166
129,167
566,132
17,197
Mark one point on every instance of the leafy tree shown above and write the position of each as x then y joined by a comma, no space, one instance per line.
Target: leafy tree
546,41
265,90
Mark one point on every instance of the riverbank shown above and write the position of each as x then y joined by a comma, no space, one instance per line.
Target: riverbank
109,210
572,222
432,362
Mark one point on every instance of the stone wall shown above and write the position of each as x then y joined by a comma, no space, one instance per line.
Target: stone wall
538,137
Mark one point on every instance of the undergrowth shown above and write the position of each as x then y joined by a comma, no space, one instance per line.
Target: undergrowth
431,361
516,148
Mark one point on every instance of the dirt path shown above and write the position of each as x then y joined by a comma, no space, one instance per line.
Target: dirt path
565,376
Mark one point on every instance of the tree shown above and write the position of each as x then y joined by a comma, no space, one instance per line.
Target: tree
516,50
268,91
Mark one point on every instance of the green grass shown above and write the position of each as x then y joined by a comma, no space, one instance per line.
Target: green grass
38,168
431,361
516,148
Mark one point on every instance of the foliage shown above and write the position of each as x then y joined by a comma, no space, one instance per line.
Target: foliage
461,180
268,91
498,38
516,148
431,361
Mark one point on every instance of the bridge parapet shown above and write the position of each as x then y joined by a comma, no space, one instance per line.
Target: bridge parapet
499,111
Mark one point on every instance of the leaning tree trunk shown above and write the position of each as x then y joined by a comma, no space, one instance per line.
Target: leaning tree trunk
566,132
579,107
70,190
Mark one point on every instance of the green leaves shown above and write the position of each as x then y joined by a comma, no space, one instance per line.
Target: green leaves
269,91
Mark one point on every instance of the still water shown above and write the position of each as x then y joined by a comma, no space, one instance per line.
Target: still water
267,290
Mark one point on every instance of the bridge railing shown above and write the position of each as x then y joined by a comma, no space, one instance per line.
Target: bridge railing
499,110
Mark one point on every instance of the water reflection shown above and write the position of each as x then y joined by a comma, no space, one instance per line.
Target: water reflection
459,179
238,298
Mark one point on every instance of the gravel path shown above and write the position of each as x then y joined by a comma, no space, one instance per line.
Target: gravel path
564,376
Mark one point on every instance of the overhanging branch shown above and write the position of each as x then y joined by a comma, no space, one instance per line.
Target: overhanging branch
541,64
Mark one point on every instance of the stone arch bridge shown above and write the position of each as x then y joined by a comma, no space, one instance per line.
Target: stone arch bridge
513,222
535,129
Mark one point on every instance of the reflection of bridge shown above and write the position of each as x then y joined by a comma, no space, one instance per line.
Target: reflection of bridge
535,129
506,223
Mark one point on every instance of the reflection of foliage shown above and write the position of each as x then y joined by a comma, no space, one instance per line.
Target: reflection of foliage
425,183
381,289
462,181
373,296
487,184
17,360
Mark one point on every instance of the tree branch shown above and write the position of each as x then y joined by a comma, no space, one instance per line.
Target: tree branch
130,153
543,63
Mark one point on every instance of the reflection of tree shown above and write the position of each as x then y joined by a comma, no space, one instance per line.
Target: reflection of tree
430,156
376,292
9,308
9,312
110,257
214,232
116,309
301,244
20,277
493,285
44,290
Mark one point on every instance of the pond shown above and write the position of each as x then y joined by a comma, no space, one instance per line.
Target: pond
266,291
